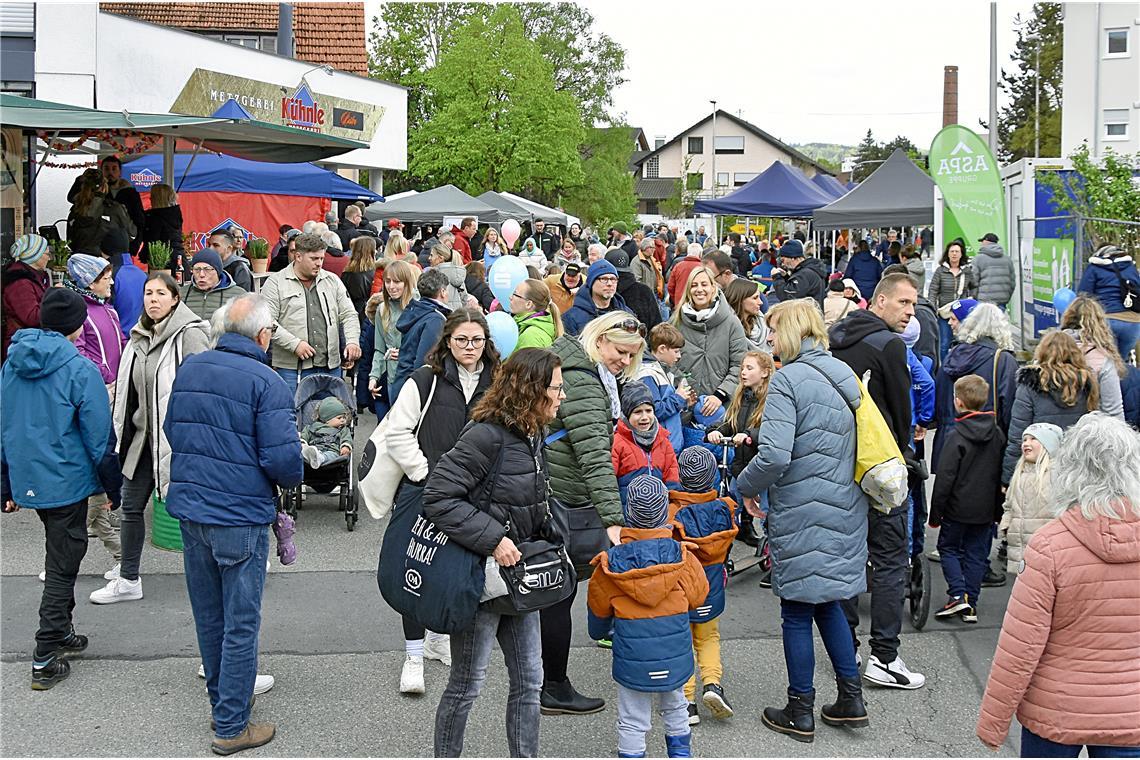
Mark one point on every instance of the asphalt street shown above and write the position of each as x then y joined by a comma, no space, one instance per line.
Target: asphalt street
336,649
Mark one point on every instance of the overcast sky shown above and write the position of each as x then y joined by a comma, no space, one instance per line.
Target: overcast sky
807,71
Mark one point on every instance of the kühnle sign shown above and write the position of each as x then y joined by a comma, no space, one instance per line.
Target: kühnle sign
292,106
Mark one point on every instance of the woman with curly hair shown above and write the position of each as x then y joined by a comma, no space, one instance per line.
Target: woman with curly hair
1058,387
503,449
1086,322
425,420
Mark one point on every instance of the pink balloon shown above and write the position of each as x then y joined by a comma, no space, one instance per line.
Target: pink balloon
511,232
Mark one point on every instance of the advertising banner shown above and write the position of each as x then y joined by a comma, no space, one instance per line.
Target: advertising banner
968,177
1052,270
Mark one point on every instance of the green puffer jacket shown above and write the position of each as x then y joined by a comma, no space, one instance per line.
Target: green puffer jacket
581,463
535,331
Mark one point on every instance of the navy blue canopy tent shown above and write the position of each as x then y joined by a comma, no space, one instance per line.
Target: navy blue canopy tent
780,191
830,185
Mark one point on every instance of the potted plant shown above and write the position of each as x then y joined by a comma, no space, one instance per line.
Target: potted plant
257,251
158,255
60,252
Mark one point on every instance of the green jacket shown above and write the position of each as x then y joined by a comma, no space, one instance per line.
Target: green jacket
535,331
326,437
205,302
581,463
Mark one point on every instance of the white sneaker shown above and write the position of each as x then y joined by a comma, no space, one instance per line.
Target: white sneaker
894,674
311,454
118,590
113,573
412,676
261,684
437,646
43,576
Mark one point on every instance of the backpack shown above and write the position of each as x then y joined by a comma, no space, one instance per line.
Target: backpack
1129,291
879,466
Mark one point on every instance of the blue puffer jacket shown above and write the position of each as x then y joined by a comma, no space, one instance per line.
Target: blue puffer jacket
817,518
584,309
233,436
866,271
421,325
56,421
709,526
1100,281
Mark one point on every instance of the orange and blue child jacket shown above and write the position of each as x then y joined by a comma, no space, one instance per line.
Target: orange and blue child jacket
707,522
631,459
643,590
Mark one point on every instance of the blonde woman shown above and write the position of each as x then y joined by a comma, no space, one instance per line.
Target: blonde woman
449,261
399,289
715,341
1086,323
581,467
537,317
164,225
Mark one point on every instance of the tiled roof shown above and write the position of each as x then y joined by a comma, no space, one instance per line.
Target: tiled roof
331,33
636,158
654,189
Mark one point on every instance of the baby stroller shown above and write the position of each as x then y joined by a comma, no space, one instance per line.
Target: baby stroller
337,474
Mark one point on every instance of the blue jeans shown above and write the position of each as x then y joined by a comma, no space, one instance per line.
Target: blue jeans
965,551
945,338
799,649
1127,334
225,576
290,376
1033,745
521,641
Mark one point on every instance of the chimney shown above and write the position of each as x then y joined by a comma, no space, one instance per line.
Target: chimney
285,30
949,95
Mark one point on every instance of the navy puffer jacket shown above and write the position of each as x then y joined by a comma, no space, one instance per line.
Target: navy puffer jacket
1102,280
233,436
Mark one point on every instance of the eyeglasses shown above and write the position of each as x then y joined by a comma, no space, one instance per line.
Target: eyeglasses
607,278
462,342
521,298
632,326
201,270
556,388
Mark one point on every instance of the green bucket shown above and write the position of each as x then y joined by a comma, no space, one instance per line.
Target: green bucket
166,531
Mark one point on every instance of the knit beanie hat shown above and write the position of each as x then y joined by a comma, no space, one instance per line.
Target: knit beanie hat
29,248
647,503
1047,433
836,286
698,469
912,332
793,249
597,269
962,308
635,394
63,311
211,257
85,269
329,408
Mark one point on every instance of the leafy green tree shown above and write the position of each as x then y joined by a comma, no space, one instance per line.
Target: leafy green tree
606,194
1032,119
868,155
495,119
1104,189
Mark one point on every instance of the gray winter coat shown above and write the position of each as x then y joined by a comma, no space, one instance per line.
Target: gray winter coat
713,350
1032,404
817,518
946,288
996,274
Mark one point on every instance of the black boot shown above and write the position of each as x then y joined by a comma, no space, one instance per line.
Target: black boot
747,532
561,698
848,709
797,720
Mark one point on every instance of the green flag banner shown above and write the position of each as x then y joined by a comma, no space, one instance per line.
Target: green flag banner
966,173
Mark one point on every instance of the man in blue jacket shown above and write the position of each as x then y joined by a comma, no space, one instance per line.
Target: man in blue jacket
233,439
599,297
864,269
56,423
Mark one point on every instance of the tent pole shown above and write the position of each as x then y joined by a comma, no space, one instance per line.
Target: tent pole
833,250
40,165
190,163
168,159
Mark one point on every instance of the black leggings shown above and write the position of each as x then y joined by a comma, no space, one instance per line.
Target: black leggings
556,629
413,631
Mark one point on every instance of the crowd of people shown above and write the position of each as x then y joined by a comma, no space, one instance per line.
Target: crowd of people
640,360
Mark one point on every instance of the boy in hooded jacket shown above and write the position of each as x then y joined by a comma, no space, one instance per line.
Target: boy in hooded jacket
703,519
643,589
641,444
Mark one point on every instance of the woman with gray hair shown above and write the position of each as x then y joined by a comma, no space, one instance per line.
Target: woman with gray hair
1069,651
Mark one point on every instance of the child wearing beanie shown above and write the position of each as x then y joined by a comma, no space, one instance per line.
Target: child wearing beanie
641,445
705,520
643,589
328,437
1029,499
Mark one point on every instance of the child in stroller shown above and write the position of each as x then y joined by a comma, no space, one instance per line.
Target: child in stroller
328,438
326,418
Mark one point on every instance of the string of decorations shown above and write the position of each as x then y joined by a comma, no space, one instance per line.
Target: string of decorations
61,165
117,139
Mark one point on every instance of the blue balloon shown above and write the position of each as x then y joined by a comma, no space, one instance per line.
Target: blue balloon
1061,300
504,277
504,331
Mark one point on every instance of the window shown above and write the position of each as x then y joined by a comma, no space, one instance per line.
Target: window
653,167
729,144
1116,124
722,179
1116,43
695,181
267,43
652,207
696,145
743,178
658,142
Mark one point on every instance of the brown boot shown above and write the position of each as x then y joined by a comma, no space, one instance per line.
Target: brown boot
254,735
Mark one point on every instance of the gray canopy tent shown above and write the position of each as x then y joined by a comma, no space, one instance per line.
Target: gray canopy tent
897,194
431,206
507,207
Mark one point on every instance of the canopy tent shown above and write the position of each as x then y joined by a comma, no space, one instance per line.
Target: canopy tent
538,211
507,208
431,206
851,185
779,191
830,185
898,193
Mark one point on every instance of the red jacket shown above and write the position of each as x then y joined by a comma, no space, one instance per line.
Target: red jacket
462,244
24,288
679,276
630,460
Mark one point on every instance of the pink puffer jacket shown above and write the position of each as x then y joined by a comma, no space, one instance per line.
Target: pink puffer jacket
1068,659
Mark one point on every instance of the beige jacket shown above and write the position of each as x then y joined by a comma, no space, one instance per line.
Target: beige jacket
1028,507
286,297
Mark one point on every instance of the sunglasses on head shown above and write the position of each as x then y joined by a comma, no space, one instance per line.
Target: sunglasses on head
632,326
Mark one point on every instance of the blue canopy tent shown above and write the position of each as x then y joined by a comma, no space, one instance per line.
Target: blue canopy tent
830,185
780,191
852,185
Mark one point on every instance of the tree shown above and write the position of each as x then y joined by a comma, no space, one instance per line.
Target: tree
868,156
1104,189
685,192
606,195
495,120
1031,123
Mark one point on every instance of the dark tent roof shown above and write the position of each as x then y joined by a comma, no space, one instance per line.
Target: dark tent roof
830,185
431,206
779,191
897,193
506,207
